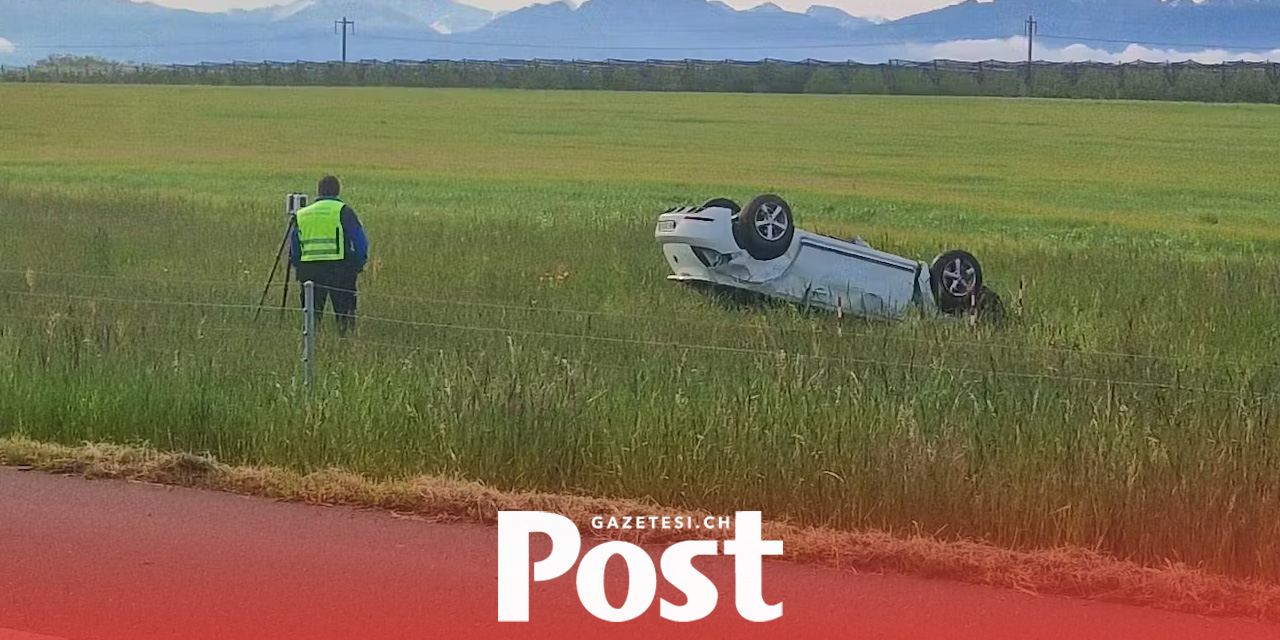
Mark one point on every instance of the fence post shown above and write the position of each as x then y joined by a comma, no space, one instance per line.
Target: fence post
308,331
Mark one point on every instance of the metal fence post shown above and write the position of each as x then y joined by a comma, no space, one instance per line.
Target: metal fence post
308,330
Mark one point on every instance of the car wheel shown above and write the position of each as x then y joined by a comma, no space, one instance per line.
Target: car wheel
765,227
956,276
721,202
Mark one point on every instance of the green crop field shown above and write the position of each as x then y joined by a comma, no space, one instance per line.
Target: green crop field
517,327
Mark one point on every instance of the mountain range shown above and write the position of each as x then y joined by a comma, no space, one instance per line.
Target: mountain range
603,29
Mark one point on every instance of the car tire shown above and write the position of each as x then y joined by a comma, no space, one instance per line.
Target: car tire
721,202
956,277
765,227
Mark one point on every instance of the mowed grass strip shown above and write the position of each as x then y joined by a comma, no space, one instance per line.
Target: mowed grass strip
518,329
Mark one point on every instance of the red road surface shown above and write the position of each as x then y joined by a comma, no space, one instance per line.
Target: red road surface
105,560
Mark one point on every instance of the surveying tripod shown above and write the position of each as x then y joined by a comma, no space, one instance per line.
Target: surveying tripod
294,203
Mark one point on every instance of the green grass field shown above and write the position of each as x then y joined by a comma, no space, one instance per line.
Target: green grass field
518,329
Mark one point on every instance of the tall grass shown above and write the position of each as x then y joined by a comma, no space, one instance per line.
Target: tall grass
517,327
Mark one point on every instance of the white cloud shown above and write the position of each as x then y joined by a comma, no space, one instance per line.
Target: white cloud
6,46
1208,56
1015,49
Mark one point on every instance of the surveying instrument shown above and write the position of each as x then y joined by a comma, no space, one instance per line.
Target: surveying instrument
294,202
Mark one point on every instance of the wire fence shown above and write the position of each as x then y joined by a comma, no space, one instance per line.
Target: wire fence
1236,81
143,301
435,302
421,302
587,336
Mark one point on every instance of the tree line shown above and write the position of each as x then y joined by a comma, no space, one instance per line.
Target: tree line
1189,81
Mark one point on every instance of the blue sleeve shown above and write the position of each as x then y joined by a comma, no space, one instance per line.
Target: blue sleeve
358,242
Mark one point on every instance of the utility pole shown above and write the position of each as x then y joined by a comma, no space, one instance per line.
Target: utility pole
344,22
1031,41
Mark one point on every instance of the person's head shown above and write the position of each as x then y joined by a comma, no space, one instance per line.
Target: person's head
329,187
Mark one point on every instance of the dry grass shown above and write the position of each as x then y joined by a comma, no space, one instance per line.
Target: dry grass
1070,571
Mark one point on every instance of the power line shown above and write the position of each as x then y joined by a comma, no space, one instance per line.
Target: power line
346,26
341,27
1030,34
477,43
161,45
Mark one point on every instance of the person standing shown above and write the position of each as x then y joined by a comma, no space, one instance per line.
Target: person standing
329,248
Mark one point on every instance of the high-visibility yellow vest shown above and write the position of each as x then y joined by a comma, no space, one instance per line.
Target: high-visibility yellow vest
320,231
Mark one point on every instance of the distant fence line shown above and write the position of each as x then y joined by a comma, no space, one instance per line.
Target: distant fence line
1191,81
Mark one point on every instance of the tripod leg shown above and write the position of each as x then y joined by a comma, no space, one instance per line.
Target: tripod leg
266,289
284,298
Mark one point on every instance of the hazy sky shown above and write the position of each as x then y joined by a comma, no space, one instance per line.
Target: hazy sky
864,8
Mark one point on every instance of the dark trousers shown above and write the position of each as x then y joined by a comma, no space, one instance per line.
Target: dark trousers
334,281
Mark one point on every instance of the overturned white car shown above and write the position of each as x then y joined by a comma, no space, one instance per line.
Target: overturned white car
758,249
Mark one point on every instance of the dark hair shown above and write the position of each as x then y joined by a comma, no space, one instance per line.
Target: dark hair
329,187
